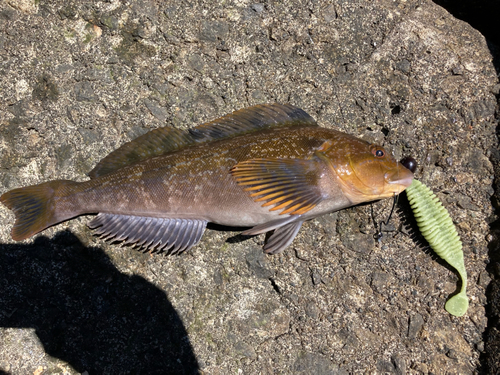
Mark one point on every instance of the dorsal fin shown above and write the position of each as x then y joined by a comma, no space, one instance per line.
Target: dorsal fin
251,119
165,140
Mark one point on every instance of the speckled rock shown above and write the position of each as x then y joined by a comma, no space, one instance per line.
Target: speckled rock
80,78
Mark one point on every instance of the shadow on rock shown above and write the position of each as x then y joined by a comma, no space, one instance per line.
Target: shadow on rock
87,313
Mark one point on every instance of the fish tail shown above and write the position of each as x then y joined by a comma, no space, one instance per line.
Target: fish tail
35,207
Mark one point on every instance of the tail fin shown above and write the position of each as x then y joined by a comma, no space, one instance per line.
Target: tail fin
34,207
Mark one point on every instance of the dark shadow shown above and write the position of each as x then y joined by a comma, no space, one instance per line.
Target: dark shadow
483,15
87,313
237,238
411,229
480,14
225,228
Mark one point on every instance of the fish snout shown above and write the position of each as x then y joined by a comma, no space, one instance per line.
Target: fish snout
400,178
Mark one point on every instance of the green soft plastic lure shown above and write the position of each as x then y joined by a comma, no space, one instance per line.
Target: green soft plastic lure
436,226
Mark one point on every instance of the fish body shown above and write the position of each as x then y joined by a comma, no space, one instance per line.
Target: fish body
269,167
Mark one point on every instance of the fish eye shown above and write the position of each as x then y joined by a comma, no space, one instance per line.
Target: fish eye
378,152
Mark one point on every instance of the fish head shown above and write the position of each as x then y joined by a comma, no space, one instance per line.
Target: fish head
367,172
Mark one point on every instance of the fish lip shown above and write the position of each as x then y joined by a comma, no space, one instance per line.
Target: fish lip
403,177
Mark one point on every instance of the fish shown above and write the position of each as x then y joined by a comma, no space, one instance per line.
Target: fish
268,167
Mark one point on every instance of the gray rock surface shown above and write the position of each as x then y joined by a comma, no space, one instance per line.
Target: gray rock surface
80,78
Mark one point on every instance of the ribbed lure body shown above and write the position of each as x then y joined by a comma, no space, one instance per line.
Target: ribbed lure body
438,229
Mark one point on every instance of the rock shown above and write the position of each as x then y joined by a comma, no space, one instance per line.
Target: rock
416,324
158,112
309,363
84,92
81,78
257,263
399,364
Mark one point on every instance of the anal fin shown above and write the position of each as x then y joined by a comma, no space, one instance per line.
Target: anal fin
150,233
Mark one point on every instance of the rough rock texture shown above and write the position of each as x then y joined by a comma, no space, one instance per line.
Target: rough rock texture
483,15
79,78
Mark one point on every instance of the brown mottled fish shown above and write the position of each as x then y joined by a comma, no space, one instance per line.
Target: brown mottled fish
269,167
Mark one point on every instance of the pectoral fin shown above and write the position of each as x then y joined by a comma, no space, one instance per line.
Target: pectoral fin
269,226
290,185
285,231
157,234
282,237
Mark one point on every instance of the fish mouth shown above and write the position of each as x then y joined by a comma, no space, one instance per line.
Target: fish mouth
399,179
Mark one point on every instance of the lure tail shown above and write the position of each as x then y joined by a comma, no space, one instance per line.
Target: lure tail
438,229
35,207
